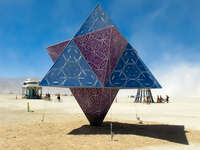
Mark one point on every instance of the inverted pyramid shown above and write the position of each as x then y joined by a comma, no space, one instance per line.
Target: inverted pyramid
95,102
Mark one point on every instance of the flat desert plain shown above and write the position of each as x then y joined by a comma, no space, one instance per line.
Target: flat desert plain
62,125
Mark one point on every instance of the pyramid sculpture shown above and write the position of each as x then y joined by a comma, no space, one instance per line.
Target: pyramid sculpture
95,64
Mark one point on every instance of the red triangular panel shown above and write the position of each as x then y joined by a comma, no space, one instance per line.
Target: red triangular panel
55,50
117,46
95,48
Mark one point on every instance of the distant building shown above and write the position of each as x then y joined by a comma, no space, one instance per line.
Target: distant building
31,89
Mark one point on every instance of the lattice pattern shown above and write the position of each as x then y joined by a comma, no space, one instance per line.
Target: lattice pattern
95,47
71,70
96,20
131,72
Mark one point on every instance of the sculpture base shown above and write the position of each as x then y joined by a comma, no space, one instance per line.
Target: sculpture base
96,123
95,120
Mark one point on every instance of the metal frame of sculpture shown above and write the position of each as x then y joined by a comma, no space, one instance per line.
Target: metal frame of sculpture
144,95
95,64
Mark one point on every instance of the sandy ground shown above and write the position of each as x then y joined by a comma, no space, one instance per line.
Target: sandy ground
62,126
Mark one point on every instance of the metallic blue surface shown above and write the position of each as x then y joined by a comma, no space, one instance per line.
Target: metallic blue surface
131,72
71,70
97,20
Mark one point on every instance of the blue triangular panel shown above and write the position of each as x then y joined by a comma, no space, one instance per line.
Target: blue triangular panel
97,20
71,70
131,72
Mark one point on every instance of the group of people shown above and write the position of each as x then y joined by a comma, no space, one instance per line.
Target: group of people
48,97
162,100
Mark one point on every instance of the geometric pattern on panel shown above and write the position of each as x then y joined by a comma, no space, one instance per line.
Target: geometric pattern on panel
55,50
95,102
117,46
96,20
95,48
71,70
131,72
102,50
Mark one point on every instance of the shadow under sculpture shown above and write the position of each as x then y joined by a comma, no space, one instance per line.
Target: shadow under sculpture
172,133
95,64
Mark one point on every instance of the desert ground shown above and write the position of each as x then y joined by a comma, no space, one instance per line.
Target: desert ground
53,125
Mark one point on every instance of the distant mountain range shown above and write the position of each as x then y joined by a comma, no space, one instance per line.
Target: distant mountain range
14,86
11,85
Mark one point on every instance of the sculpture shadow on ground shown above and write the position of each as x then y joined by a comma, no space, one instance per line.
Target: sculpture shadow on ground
172,133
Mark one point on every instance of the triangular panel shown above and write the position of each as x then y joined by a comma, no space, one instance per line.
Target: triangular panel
71,70
117,46
96,20
131,72
55,50
95,102
95,47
